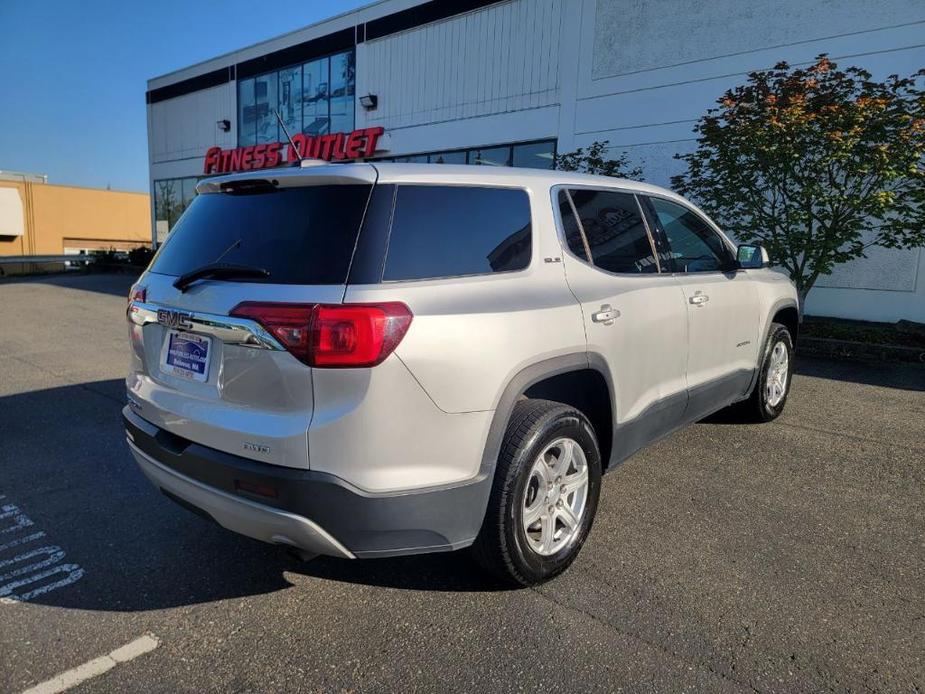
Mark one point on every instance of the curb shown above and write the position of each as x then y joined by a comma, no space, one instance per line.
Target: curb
862,351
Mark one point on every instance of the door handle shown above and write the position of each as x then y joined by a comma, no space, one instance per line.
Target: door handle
699,298
606,315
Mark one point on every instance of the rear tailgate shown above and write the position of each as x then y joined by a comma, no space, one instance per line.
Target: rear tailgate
226,382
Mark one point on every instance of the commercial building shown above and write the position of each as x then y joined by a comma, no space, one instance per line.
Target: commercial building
512,83
39,218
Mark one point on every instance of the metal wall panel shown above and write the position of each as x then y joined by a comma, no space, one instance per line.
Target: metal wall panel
494,60
186,126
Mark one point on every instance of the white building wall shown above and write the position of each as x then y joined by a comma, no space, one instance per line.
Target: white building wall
648,70
186,126
499,59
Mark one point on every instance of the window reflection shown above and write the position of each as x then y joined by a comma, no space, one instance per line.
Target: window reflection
290,99
247,114
342,88
265,98
491,156
448,158
315,98
535,155
315,117
171,197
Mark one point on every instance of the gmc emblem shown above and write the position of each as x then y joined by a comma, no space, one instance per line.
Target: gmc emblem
173,319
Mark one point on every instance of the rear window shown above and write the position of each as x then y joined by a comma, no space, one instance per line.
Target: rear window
303,235
453,231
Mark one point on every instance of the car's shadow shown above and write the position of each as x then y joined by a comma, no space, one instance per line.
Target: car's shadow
900,376
68,478
68,481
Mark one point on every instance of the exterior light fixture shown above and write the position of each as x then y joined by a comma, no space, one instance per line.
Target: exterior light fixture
369,101
224,125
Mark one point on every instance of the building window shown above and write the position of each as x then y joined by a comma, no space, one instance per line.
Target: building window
448,158
265,96
247,112
315,98
171,197
343,69
290,100
315,116
533,155
490,156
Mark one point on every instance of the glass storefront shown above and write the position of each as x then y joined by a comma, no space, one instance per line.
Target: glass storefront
315,98
533,155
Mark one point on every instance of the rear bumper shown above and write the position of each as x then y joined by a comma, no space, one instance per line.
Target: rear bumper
314,511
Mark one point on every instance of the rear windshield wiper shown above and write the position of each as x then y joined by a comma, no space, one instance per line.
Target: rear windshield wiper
219,271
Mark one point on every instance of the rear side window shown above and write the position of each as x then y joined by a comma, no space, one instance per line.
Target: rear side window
453,231
302,235
614,231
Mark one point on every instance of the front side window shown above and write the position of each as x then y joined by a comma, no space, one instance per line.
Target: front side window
453,231
693,245
614,231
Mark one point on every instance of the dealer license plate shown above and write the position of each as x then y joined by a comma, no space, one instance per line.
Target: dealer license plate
187,355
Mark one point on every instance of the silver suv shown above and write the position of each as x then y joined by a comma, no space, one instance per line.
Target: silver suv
368,360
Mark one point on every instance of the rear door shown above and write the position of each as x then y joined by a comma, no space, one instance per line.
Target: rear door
226,382
721,306
634,311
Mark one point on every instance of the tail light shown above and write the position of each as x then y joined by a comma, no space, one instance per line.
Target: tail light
332,335
137,293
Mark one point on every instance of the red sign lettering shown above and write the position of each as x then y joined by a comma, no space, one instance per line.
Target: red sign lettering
337,146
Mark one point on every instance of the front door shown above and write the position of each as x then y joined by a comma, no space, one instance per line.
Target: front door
634,314
721,307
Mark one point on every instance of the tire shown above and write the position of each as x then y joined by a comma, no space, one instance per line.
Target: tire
762,405
526,552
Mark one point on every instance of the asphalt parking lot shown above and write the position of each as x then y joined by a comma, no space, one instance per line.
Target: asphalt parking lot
782,557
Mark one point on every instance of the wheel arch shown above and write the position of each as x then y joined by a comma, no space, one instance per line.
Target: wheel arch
581,380
789,317
786,312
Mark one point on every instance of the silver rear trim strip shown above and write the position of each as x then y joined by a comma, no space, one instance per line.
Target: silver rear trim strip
234,331
243,516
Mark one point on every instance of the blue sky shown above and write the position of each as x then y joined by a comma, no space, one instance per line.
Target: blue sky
73,74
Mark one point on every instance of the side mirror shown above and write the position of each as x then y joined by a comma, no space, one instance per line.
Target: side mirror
752,257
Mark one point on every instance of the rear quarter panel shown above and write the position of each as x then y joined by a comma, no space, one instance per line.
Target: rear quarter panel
471,335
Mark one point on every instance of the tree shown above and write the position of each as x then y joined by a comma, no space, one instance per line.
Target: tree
593,160
817,164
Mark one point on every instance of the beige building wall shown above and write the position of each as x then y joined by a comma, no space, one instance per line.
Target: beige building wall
56,218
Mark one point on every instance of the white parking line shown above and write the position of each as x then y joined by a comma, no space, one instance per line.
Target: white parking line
96,667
